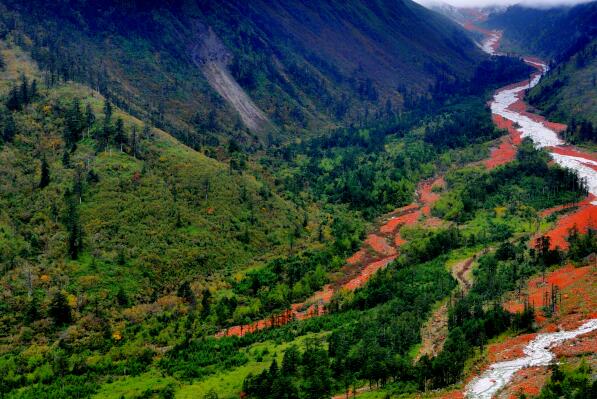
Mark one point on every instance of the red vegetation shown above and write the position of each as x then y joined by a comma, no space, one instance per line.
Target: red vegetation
426,195
587,201
379,245
537,288
583,219
571,151
509,349
408,216
453,395
379,249
527,381
505,153
358,257
579,346
367,272
398,240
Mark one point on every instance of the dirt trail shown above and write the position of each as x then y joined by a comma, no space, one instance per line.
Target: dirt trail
435,331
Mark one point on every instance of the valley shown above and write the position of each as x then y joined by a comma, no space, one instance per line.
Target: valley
290,200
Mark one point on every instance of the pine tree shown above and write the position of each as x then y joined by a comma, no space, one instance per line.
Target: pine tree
74,230
146,131
121,297
32,310
59,309
185,292
119,136
33,90
107,128
133,142
13,102
205,302
107,111
74,124
45,173
66,159
89,117
24,90
10,129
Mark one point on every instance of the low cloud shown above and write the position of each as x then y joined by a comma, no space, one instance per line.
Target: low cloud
483,3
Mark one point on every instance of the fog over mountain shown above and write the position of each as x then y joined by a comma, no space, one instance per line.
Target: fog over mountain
482,3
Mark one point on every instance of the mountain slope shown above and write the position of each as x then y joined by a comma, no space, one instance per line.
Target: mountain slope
545,32
299,65
142,214
569,90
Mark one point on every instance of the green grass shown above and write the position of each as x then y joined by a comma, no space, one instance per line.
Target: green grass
134,386
228,384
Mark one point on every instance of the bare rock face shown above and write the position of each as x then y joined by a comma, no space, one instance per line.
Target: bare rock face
212,57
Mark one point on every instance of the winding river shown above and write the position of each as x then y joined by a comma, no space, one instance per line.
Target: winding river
537,353
506,104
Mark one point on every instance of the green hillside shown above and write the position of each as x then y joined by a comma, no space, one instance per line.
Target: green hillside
305,67
545,32
139,218
568,93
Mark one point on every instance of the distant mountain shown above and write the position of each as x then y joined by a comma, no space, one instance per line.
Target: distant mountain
206,69
445,9
567,37
545,32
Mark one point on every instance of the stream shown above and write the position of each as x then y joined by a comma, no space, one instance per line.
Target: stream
506,103
533,126
537,353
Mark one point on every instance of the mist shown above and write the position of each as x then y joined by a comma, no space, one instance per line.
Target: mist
482,3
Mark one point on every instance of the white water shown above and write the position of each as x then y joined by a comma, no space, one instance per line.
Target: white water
488,44
541,135
536,352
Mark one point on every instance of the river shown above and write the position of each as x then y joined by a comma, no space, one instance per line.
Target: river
507,104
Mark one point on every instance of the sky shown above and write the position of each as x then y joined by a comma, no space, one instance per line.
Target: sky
476,3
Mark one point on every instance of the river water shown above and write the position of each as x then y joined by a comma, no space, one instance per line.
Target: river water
533,127
537,352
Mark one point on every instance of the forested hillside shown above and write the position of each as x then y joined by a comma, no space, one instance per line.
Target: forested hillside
545,32
187,65
119,243
206,199
569,93
567,36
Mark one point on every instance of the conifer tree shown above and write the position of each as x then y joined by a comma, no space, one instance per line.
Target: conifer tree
45,173
74,124
59,309
66,159
134,142
10,129
89,117
119,136
107,128
73,226
13,102
24,90
33,90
